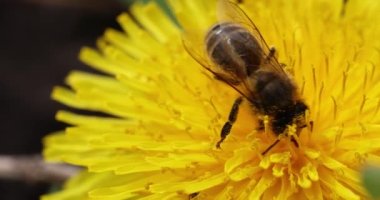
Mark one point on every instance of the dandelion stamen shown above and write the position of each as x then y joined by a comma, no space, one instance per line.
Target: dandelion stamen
364,99
327,65
335,107
377,108
314,78
339,134
303,85
266,124
300,55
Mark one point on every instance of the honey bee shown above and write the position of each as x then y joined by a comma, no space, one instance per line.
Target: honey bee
236,53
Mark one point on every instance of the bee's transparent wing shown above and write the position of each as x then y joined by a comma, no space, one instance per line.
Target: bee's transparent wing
228,11
194,43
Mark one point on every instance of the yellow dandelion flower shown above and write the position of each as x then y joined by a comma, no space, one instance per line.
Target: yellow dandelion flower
167,111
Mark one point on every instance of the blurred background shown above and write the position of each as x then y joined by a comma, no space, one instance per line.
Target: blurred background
39,43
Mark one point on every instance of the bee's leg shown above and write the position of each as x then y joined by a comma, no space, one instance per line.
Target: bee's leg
231,120
292,139
270,147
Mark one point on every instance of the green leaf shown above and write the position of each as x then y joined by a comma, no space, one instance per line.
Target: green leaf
371,180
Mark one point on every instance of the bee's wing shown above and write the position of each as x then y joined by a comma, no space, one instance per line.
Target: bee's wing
194,43
230,12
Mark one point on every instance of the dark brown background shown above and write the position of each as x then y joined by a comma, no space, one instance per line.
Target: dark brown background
39,43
